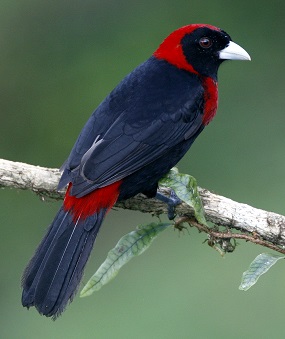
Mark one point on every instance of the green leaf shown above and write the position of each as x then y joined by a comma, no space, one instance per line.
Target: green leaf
130,245
260,265
185,187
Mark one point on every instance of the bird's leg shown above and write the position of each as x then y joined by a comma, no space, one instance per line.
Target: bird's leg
172,201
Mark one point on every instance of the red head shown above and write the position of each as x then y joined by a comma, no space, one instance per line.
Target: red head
199,48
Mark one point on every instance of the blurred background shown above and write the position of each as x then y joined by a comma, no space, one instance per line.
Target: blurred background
58,60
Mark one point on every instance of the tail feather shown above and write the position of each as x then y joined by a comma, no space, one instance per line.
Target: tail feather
52,276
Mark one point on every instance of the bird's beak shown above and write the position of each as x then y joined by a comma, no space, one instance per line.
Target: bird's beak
233,52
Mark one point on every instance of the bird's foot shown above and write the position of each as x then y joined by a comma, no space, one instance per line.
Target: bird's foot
172,201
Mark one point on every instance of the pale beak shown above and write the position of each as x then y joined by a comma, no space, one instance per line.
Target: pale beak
234,52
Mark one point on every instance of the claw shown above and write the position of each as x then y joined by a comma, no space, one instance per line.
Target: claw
172,201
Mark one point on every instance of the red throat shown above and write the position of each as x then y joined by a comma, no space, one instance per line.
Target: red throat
210,99
171,48
104,197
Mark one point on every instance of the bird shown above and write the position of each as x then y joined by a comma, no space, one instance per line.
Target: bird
134,137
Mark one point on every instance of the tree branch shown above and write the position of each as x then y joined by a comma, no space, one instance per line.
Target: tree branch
257,225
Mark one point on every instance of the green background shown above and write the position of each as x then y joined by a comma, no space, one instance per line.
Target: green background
58,60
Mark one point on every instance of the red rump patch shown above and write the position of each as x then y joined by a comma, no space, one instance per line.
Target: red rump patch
210,99
171,48
104,197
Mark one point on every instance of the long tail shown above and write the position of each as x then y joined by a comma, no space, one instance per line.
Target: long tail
53,274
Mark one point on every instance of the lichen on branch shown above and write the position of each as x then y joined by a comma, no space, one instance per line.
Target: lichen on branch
264,225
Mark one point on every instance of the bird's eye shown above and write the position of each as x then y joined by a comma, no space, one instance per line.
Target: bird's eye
205,42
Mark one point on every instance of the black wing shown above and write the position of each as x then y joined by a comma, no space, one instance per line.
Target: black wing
154,108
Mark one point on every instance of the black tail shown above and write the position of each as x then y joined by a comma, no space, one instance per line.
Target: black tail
53,274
